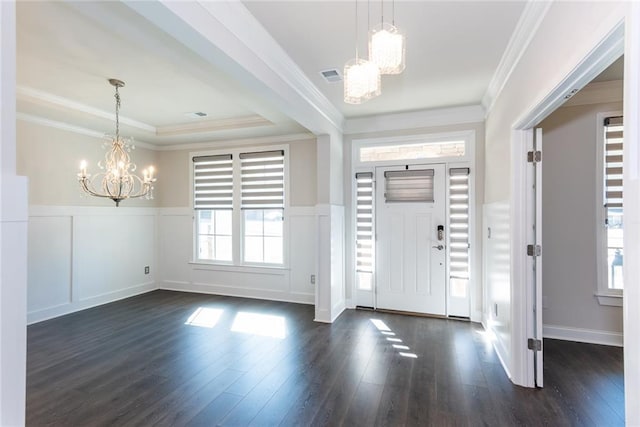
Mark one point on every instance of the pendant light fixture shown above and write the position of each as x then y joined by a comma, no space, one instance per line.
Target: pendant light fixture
387,45
117,182
361,77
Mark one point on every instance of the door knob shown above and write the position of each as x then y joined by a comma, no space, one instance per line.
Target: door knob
439,247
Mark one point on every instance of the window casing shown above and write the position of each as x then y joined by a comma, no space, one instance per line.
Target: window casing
239,207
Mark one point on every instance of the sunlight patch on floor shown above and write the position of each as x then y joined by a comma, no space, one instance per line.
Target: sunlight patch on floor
386,332
260,324
204,317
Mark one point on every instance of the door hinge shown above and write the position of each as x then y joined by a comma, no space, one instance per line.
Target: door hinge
533,344
534,250
534,156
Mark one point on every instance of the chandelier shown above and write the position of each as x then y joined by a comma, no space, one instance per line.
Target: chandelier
117,181
361,77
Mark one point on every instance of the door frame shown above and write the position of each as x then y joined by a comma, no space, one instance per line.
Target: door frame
523,299
468,160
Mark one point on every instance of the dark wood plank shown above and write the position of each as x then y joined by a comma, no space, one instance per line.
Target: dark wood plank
135,362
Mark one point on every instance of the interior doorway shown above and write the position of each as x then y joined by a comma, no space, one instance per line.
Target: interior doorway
529,207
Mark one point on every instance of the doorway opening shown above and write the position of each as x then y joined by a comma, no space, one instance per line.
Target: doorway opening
535,208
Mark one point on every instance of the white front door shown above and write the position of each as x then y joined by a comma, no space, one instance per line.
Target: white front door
410,252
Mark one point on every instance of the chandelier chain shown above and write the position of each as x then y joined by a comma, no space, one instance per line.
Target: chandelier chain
117,96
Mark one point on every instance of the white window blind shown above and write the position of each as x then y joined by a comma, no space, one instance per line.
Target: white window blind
364,229
409,186
262,180
459,227
213,182
613,162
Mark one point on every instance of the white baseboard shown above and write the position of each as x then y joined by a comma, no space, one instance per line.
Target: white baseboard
228,291
72,307
583,335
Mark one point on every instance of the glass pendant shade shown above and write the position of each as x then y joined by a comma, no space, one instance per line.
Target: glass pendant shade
387,48
361,81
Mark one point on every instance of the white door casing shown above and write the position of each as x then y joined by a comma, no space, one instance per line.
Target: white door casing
410,260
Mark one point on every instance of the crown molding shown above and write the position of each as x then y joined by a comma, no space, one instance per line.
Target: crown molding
47,99
30,118
597,93
214,125
526,28
415,119
238,142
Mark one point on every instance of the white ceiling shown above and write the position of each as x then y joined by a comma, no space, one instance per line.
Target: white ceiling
68,50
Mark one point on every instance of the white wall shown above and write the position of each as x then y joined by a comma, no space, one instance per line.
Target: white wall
497,280
178,272
79,257
13,237
570,183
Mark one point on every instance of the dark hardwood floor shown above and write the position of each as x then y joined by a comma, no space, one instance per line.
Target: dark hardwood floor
263,363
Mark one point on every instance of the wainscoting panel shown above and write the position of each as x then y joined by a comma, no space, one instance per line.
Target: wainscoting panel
49,260
79,257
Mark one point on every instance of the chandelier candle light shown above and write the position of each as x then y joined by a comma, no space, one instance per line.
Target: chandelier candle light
117,182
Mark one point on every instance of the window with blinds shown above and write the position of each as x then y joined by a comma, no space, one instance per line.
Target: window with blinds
364,230
459,251
262,180
613,199
262,202
213,182
409,186
213,202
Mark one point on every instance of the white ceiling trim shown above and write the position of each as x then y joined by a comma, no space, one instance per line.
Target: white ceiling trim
531,18
415,119
45,98
238,142
597,93
213,125
30,118
244,49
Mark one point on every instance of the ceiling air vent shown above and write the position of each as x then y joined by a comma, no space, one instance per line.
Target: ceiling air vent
332,75
196,115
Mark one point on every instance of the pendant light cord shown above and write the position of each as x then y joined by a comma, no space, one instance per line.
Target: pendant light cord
393,12
356,2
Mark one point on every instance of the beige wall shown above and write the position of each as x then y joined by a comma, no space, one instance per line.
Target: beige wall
569,190
50,158
173,190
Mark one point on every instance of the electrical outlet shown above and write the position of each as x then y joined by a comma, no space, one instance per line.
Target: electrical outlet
146,269
313,279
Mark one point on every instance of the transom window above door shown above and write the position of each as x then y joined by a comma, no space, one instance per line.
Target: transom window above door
423,150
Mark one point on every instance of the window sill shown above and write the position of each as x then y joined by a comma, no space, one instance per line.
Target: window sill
275,270
614,300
